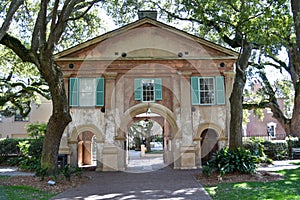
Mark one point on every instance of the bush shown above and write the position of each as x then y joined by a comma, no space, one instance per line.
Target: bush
31,151
69,170
276,150
292,142
225,161
256,147
9,147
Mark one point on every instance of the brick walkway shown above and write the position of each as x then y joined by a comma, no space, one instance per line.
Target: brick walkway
164,183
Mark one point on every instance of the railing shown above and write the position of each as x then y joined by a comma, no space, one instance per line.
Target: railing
265,137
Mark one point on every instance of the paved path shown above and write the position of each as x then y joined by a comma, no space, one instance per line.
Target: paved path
145,178
164,183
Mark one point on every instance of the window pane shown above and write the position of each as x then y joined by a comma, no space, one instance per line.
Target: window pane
87,92
148,90
207,88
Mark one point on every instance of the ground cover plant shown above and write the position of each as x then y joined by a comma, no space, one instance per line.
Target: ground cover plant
226,161
25,193
288,188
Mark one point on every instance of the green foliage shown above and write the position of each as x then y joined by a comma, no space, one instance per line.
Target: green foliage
36,130
31,151
20,84
68,170
276,150
225,161
41,172
9,146
292,142
256,147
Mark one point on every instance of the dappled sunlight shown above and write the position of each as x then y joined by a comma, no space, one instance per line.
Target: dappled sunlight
242,185
181,194
288,182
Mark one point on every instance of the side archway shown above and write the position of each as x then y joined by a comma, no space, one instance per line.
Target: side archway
82,128
207,138
75,143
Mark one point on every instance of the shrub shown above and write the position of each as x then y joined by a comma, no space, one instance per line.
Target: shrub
9,147
292,142
276,150
31,151
69,170
256,147
226,161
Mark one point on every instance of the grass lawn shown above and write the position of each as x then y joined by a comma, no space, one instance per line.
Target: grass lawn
24,193
289,188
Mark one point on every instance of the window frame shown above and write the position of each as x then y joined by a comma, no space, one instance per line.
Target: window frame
218,92
75,92
144,81
19,118
138,89
273,125
209,91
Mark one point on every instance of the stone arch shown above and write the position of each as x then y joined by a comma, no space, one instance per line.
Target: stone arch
198,139
82,128
209,144
85,148
204,126
142,108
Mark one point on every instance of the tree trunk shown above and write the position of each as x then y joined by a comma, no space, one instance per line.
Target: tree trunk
295,121
236,111
58,121
236,98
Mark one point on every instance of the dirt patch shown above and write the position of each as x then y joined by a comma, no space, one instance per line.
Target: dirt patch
260,176
60,183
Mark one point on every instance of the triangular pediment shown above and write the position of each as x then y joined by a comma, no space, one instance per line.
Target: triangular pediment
146,39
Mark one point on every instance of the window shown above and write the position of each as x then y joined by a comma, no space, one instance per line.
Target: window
207,90
86,92
147,90
271,129
20,118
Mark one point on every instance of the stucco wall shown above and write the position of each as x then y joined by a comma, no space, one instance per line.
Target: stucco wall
17,129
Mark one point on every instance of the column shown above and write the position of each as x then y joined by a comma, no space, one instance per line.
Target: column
229,79
187,149
110,151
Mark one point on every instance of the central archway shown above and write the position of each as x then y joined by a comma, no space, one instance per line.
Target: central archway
171,129
142,108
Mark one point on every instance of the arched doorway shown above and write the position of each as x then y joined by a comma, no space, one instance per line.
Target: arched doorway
86,149
209,144
166,121
145,141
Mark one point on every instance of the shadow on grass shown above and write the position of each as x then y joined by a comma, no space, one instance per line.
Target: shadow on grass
283,189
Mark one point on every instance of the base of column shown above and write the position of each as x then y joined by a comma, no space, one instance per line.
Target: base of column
110,158
188,157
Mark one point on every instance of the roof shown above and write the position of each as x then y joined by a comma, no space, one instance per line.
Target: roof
230,54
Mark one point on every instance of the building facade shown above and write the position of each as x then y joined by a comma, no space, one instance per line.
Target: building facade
15,127
141,69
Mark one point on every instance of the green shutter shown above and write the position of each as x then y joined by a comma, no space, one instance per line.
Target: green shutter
158,88
74,92
100,92
195,93
219,90
138,89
